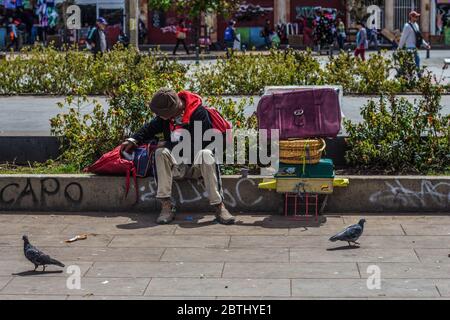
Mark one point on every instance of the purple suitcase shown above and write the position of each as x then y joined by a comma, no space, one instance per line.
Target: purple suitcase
308,113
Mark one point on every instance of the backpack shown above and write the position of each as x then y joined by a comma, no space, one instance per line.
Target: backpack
419,38
228,34
90,36
218,121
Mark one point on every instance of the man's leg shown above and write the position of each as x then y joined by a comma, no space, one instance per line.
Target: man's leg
185,46
417,62
176,46
164,164
206,162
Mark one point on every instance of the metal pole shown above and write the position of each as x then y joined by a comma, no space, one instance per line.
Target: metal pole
133,15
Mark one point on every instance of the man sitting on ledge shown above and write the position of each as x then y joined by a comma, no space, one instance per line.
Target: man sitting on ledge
174,112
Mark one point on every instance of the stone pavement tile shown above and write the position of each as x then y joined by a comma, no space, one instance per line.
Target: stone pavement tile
97,286
286,298
352,255
413,218
427,229
90,253
434,255
97,297
237,229
155,269
131,228
11,218
225,255
20,228
4,281
443,286
290,270
25,268
369,230
5,297
358,288
409,270
77,217
165,241
218,287
55,240
323,242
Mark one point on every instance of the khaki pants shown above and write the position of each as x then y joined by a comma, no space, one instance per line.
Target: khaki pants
204,166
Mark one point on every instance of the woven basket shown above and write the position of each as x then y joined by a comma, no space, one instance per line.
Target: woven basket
301,151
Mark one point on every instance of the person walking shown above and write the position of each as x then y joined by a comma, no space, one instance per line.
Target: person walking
361,41
341,35
178,116
97,39
13,35
373,36
267,34
230,37
181,35
412,39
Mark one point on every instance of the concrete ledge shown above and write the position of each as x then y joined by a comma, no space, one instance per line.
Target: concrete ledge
365,194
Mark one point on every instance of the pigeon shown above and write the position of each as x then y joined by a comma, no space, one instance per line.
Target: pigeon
351,233
37,257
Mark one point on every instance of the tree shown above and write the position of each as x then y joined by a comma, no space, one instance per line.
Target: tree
195,8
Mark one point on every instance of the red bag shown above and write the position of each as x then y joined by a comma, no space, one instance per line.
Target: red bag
218,121
112,163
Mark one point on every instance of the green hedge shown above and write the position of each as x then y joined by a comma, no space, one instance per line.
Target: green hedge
45,70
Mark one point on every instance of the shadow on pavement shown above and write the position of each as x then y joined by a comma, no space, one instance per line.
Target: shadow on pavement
343,248
204,220
34,273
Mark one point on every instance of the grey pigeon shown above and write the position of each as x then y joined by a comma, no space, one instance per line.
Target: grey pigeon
351,233
37,257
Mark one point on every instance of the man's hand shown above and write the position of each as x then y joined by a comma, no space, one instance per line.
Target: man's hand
127,146
428,47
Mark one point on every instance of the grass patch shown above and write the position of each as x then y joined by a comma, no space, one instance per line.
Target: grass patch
48,167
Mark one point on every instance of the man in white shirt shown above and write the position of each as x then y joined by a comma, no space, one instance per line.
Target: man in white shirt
411,37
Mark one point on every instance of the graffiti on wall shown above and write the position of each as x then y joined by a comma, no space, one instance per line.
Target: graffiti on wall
42,190
192,191
14,193
309,12
430,195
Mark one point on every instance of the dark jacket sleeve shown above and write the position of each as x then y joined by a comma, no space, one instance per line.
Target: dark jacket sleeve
96,41
149,130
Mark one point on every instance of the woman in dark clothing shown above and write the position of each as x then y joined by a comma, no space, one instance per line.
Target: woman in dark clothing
181,35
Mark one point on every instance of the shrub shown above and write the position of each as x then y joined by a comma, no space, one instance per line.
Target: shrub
45,70
249,74
400,136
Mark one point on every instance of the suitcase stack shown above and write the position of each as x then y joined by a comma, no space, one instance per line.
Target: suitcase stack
304,117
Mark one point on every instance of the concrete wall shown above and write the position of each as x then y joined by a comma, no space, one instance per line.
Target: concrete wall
365,194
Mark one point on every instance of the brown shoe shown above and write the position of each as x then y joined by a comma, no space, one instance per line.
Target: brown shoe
223,216
167,212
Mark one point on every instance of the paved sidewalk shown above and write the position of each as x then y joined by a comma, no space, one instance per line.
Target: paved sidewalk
127,256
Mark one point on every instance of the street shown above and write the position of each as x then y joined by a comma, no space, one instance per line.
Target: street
128,256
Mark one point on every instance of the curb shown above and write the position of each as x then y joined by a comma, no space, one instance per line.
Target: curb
365,194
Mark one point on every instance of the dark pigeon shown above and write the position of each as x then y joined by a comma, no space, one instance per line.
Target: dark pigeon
351,233
37,257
